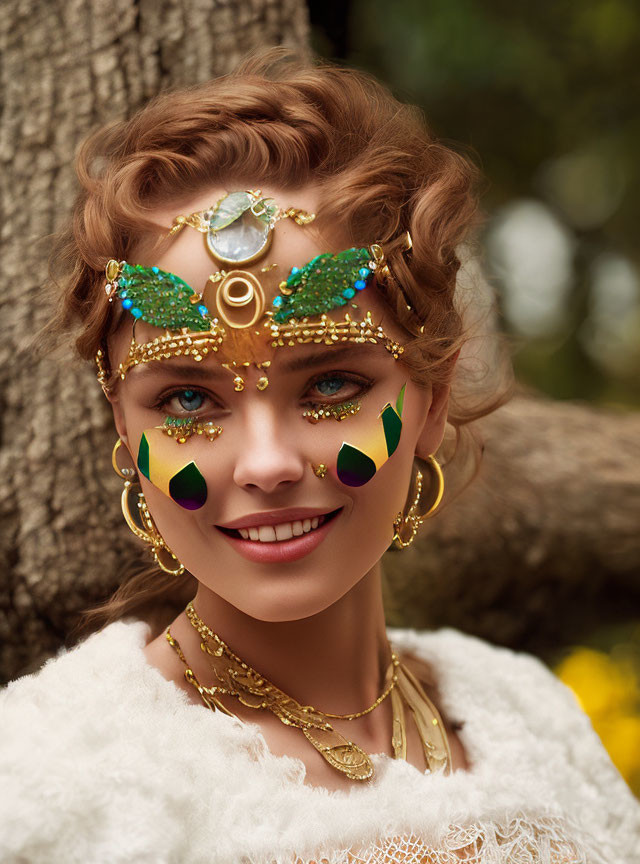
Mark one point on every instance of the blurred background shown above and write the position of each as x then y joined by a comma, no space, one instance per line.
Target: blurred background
547,102
545,98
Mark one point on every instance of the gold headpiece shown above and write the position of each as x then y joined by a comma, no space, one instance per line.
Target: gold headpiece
299,313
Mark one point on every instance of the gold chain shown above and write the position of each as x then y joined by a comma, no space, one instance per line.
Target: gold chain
206,632
236,678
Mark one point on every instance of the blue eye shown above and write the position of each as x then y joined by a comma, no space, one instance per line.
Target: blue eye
329,386
185,401
190,400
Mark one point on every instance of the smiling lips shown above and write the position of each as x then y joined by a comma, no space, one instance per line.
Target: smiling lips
282,531
280,535
277,525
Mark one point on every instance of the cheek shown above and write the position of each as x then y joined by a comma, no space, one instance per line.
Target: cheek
169,466
377,503
375,463
362,457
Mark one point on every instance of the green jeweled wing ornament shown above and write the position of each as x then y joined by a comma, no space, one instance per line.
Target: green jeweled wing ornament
160,298
327,282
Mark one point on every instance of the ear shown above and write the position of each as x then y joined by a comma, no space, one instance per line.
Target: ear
119,418
432,432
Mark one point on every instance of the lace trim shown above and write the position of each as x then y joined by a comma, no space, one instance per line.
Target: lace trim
545,840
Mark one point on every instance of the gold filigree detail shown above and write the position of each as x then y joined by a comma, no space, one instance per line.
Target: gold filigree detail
200,222
324,330
183,344
522,838
238,381
329,332
230,303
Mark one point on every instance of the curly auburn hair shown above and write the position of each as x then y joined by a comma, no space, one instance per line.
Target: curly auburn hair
380,170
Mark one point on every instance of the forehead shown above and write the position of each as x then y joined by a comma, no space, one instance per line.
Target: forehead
186,256
293,245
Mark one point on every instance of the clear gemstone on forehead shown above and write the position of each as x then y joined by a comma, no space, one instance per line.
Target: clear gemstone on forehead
241,241
235,233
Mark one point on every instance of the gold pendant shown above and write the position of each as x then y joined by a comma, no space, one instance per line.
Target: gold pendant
428,721
341,754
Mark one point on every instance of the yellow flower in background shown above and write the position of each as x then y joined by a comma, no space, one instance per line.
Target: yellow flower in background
608,689
601,683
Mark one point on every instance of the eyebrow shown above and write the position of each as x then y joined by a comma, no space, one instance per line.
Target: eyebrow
197,372
186,371
331,354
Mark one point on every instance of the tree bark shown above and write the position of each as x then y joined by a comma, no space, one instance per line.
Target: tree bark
65,68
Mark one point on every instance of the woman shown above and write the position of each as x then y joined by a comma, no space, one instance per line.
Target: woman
264,269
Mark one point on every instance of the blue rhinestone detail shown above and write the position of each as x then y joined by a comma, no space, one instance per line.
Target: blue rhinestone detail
137,313
348,293
278,301
360,284
203,310
364,272
127,304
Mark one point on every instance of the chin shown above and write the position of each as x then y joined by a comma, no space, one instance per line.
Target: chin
282,604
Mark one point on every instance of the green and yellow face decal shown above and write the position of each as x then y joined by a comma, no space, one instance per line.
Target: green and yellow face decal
358,463
170,471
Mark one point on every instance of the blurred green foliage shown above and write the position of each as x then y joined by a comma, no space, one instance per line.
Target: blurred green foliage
546,97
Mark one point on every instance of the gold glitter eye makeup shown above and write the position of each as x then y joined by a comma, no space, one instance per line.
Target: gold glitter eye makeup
335,384
183,428
337,412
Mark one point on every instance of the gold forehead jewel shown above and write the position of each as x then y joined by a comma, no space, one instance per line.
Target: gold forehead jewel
238,381
238,228
239,297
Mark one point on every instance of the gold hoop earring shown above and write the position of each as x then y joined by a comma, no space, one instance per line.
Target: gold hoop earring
123,473
145,528
414,518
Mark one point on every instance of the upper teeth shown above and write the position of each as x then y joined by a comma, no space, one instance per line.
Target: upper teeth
284,531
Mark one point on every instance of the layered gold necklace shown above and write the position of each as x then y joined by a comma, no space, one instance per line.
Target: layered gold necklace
236,678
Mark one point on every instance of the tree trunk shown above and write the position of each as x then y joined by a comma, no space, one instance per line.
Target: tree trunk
65,68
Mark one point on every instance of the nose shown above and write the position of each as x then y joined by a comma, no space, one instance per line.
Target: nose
268,458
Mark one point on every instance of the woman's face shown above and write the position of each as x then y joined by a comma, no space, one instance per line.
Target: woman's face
267,534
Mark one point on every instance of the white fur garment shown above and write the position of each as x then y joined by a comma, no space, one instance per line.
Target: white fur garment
103,761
